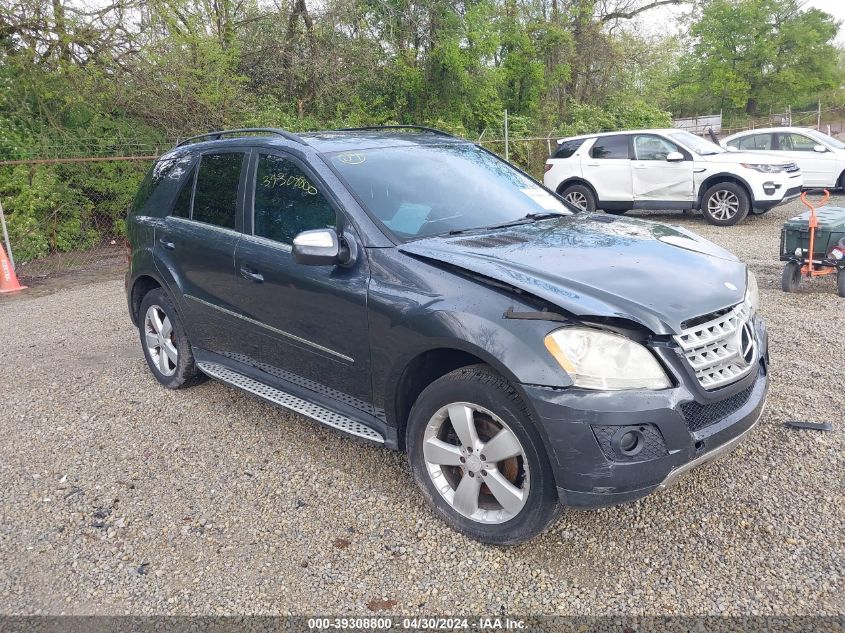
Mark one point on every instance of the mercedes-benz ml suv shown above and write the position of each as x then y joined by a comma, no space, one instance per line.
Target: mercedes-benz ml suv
414,290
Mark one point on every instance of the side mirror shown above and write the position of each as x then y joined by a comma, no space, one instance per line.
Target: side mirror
674,157
320,247
820,148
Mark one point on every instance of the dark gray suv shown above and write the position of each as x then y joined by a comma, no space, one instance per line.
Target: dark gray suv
412,289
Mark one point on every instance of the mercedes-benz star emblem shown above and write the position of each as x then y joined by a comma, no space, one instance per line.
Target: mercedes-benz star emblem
746,343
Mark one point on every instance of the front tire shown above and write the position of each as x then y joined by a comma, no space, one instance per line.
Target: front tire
791,278
580,196
725,204
840,282
164,342
479,460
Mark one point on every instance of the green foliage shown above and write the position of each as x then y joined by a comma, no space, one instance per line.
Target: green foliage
130,80
755,54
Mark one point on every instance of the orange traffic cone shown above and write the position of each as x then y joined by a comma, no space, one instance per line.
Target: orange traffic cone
8,278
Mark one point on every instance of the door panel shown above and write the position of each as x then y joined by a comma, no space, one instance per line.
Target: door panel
656,179
818,167
307,320
200,254
607,167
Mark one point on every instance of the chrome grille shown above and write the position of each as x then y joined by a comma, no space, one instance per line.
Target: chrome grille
790,168
718,350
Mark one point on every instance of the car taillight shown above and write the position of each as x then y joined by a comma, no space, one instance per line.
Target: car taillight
548,166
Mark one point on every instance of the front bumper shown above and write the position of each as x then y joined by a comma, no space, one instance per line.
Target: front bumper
579,424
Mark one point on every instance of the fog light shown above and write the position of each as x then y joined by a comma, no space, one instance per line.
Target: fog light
628,441
769,188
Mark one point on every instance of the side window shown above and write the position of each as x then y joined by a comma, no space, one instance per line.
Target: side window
158,188
182,206
610,147
216,195
651,147
286,201
754,141
796,142
568,148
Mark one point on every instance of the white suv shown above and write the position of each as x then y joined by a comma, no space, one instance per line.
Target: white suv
820,157
668,169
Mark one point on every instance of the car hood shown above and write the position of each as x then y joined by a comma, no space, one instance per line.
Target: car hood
734,158
601,265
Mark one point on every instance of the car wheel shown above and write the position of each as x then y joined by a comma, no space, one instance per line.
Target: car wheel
165,344
840,282
479,460
725,204
581,197
791,278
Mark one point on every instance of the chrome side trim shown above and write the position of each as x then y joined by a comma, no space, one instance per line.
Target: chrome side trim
287,335
716,453
204,225
289,401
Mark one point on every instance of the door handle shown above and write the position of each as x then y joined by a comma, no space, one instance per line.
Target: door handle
251,275
167,243
593,164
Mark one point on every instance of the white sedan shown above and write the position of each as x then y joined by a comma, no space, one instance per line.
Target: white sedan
820,157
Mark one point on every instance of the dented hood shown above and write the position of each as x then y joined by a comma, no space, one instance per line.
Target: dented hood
601,265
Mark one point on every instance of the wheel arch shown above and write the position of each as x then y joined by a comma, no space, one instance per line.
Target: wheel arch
141,286
715,179
576,180
422,369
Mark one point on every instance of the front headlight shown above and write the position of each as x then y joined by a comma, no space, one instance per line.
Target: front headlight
601,360
752,292
766,169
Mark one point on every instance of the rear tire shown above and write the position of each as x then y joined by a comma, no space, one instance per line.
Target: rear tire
725,204
165,344
475,406
580,196
790,281
840,282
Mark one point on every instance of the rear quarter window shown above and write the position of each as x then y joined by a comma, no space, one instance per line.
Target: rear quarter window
568,148
158,189
610,147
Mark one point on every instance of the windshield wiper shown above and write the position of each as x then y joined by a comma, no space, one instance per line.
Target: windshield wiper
526,219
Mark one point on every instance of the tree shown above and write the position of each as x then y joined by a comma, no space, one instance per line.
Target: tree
751,54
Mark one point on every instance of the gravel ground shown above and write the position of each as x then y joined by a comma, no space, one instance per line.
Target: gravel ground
118,496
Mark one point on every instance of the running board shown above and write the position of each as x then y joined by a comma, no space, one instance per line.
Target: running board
288,401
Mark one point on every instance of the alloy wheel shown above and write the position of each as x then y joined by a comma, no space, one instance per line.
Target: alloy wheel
723,205
160,340
476,463
576,199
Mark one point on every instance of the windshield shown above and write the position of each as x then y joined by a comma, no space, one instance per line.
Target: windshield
697,144
821,136
420,191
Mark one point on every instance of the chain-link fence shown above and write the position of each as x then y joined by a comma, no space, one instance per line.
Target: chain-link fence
67,214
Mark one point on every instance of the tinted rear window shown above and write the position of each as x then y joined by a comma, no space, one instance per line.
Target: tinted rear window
568,148
610,147
216,194
158,188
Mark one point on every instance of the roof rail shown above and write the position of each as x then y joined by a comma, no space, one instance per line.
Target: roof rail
216,136
397,127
